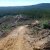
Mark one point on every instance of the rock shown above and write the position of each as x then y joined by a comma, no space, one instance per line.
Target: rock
34,23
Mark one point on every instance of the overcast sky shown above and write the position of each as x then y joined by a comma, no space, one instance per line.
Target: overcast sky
21,2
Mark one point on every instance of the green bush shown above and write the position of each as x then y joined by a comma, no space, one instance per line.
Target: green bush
46,26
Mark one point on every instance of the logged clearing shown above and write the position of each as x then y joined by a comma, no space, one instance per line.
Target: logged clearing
19,39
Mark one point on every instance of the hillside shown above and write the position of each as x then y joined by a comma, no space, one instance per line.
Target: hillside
14,10
22,38
25,27
23,33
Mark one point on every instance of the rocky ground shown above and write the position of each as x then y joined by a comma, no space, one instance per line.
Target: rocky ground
22,38
25,37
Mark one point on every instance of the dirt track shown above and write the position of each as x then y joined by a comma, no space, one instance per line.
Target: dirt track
17,40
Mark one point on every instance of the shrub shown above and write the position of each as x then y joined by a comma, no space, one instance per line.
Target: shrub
46,26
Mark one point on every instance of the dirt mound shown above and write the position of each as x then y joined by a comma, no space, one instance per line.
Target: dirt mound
19,39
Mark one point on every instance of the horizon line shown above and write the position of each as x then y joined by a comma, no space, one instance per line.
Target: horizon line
22,5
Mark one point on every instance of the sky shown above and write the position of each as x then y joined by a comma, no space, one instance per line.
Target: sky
21,2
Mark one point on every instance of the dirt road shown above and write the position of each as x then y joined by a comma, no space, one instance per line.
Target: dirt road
17,40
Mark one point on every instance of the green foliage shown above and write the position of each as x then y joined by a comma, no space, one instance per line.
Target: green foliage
46,26
5,27
33,13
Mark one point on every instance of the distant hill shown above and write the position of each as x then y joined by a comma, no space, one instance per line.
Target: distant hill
20,9
42,5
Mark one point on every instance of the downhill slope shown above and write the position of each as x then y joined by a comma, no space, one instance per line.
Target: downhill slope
19,39
15,41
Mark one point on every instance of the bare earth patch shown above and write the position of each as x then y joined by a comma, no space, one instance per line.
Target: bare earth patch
18,39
